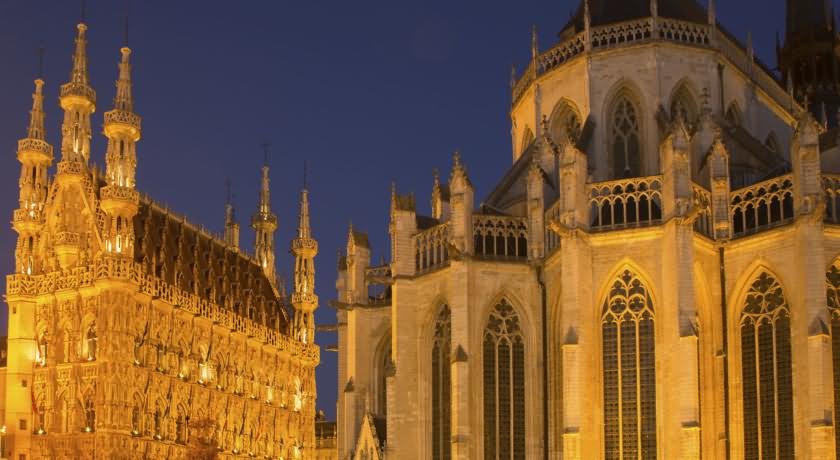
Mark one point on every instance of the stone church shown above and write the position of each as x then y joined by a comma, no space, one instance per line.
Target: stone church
135,333
657,275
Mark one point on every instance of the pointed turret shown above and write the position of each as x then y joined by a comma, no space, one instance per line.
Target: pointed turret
120,200
304,300
264,223
78,100
35,156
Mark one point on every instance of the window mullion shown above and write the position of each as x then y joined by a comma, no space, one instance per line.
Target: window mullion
619,387
638,393
758,385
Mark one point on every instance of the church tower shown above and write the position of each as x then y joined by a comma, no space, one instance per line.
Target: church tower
120,200
304,300
264,223
808,60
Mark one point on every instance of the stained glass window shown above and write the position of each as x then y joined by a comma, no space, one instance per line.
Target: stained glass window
832,279
441,409
626,140
629,367
766,372
504,385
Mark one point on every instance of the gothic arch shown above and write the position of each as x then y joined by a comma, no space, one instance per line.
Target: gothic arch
761,307
504,384
627,315
683,101
382,360
734,115
624,116
565,122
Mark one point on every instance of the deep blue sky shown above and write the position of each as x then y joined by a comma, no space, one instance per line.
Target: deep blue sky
366,91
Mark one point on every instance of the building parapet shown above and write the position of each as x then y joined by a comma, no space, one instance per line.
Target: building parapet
761,206
500,237
625,203
645,30
431,248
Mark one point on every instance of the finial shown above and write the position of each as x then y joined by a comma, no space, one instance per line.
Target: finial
228,192
750,50
84,10
456,159
436,176
654,8
305,174
512,75
535,48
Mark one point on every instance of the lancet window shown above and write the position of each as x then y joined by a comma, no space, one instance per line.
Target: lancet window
441,386
565,124
625,139
766,371
832,279
504,385
683,106
627,328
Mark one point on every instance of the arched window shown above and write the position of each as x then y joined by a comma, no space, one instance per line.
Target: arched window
629,370
733,115
683,105
832,279
766,371
385,366
441,386
90,413
625,138
504,385
565,124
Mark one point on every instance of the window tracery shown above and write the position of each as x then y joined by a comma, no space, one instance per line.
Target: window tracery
441,386
683,105
625,139
832,279
629,370
766,371
504,385
565,124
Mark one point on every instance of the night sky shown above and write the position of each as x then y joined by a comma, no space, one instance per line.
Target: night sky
366,91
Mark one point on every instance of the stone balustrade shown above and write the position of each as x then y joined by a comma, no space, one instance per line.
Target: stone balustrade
760,206
500,237
625,203
431,248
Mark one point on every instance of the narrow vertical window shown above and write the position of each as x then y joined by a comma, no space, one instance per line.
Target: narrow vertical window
441,408
766,372
504,385
832,279
627,330
625,139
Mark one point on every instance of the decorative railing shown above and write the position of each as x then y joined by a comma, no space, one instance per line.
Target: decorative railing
118,268
562,53
684,32
378,275
66,238
831,186
35,145
121,117
642,30
431,248
76,168
621,33
79,90
626,203
703,223
500,237
763,205
115,192
552,239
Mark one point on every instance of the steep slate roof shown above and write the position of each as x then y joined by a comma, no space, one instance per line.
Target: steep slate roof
195,261
604,12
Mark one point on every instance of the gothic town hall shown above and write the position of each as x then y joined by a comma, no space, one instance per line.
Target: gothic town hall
657,275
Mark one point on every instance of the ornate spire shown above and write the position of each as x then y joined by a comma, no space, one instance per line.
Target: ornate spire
264,223
36,115
304,248
124,101
79,74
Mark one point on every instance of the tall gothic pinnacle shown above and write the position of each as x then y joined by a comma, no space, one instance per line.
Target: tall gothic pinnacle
265,192
36,115
124,100
304,229
79,74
